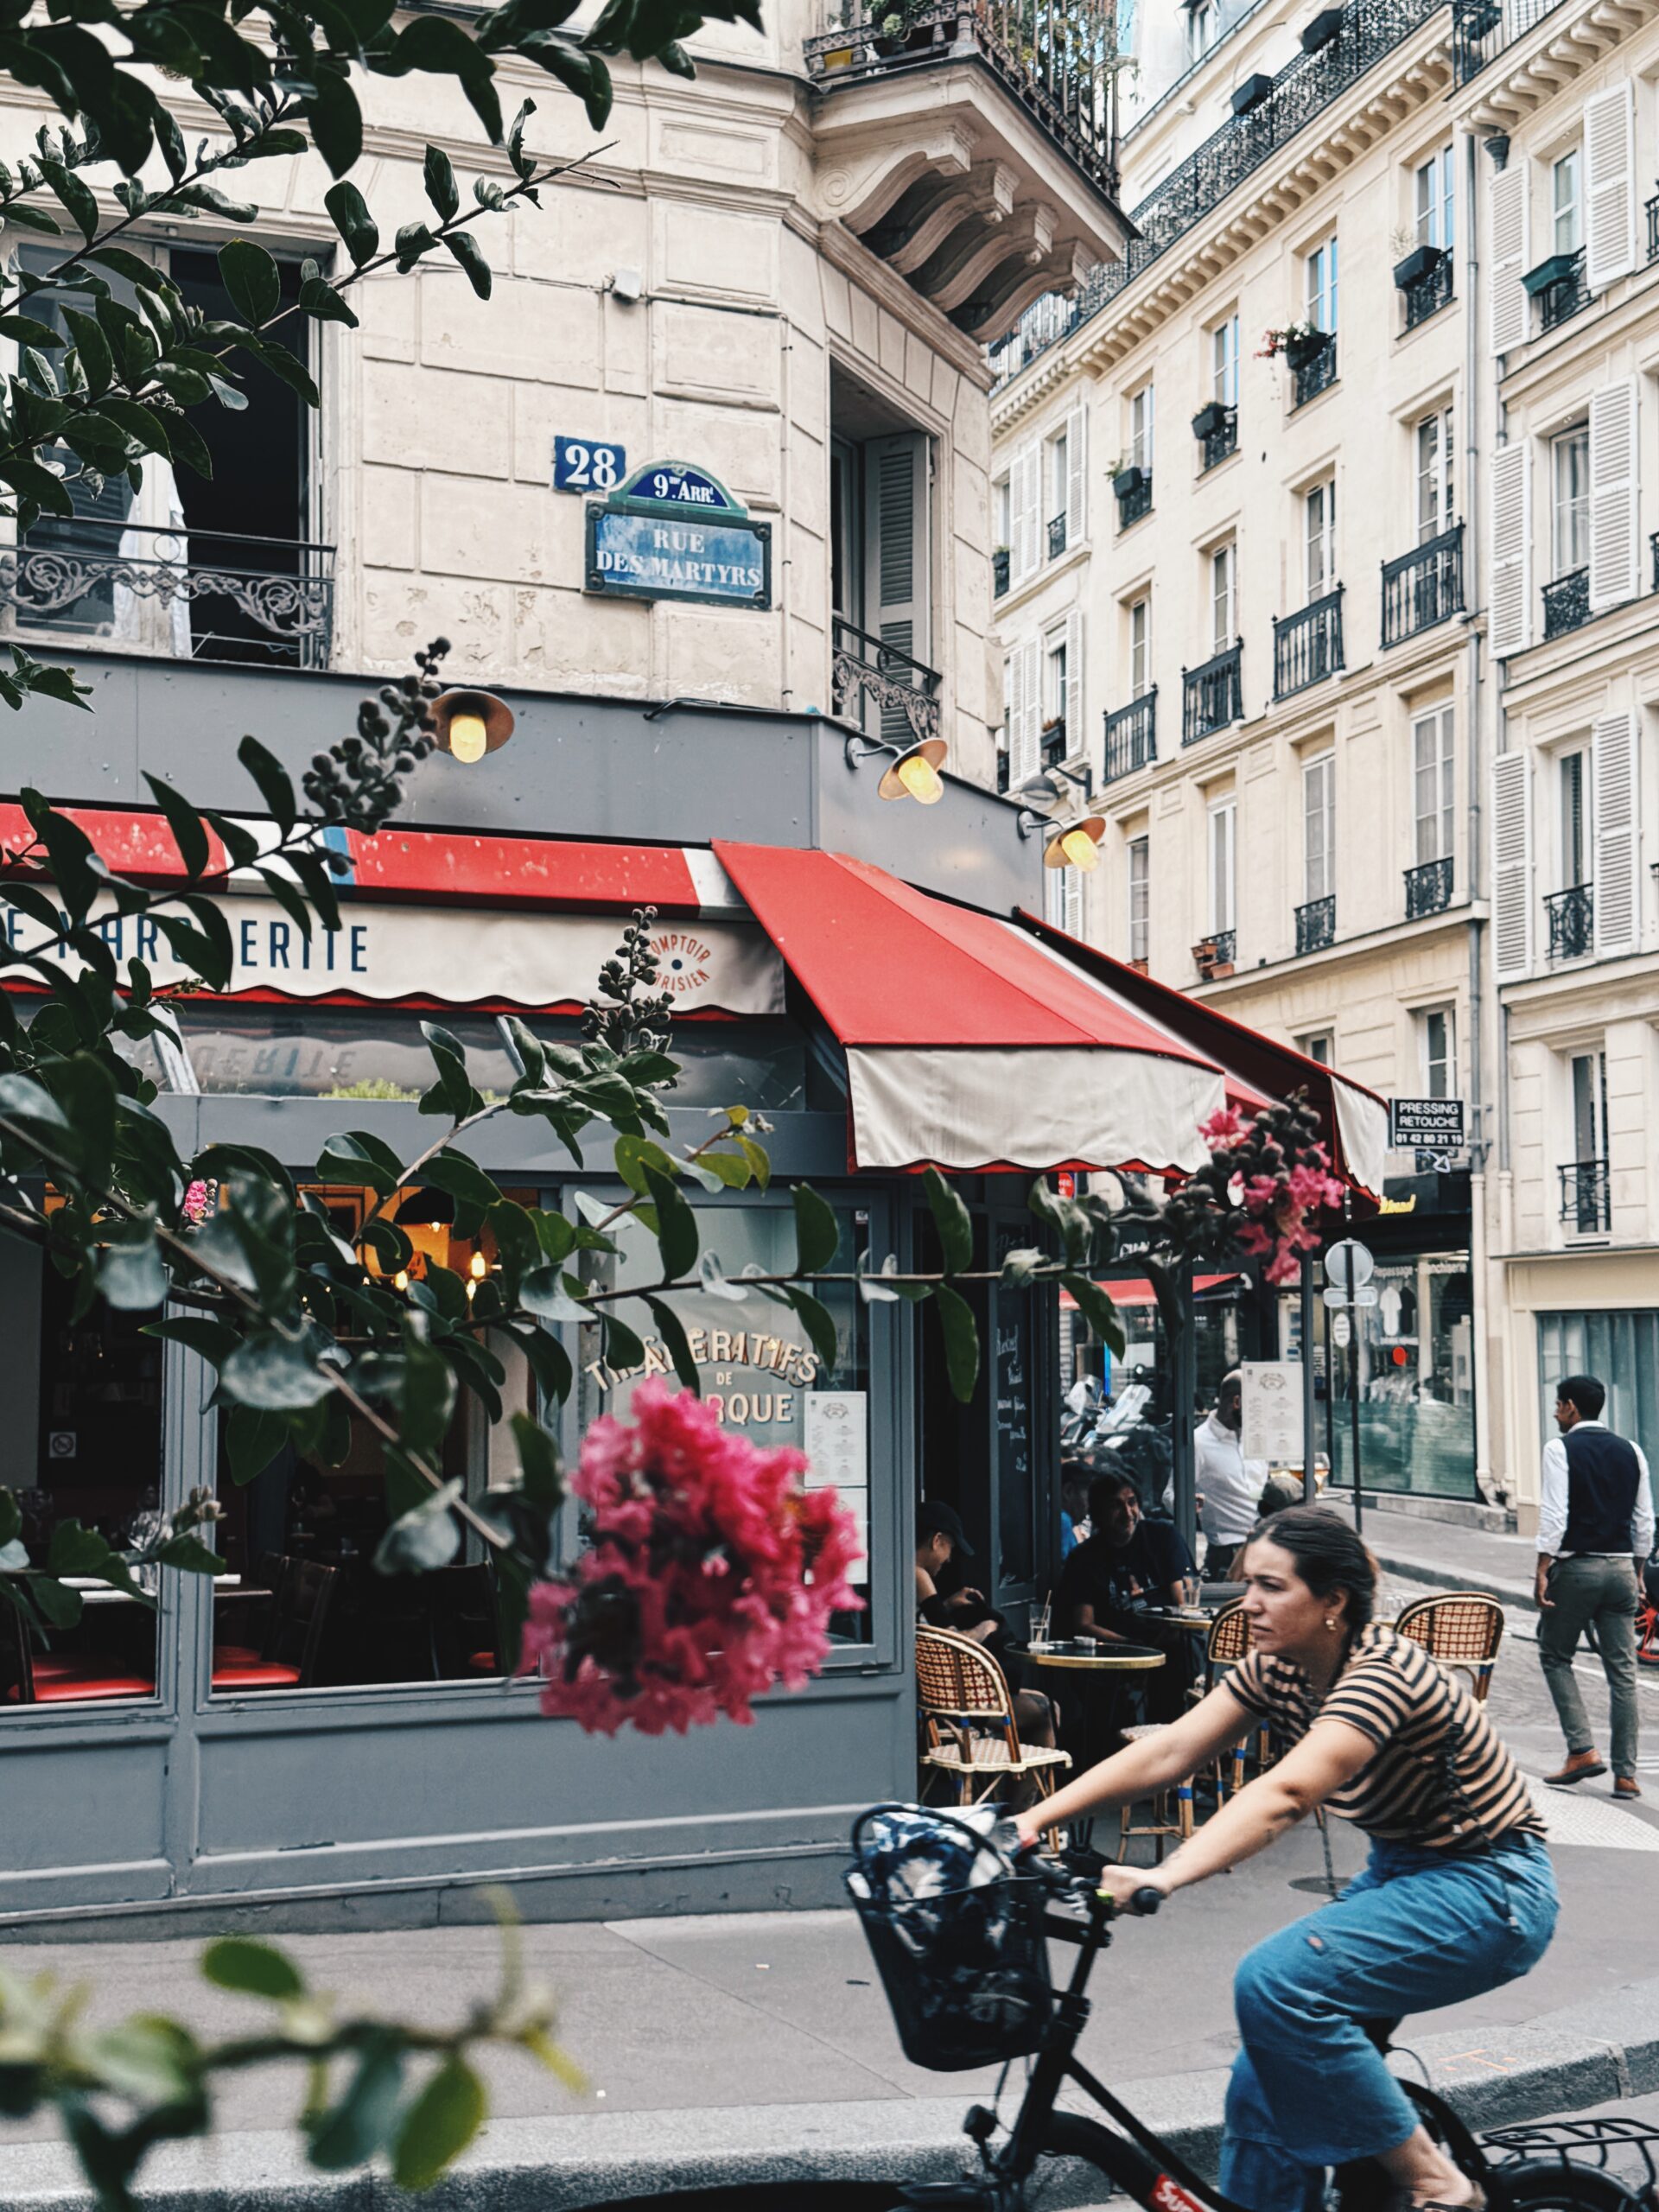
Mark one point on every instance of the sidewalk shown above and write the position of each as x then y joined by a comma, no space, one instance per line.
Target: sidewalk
1446,1555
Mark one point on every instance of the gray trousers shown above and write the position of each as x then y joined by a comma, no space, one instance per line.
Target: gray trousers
1587,1588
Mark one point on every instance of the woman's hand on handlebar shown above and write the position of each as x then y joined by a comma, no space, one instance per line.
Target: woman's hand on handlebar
1124,1884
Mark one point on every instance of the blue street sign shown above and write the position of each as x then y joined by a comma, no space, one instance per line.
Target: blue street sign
587,465
676,484
638,551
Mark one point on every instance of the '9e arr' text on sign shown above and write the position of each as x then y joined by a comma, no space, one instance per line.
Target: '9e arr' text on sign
672,531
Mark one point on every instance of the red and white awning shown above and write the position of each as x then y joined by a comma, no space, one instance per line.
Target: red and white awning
1138,1290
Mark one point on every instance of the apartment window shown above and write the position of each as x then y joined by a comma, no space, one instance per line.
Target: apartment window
1141,425
1224,597
1140,648
1319,828
1435,479
1056,465
1224,822
1002,512
1320,270
1319,536
1567,202
1434,199
1054,680
1577,828
1223,362
1433,782
1570,500
1438,1044
1317,1047
1584,1175
1203,27
1140,901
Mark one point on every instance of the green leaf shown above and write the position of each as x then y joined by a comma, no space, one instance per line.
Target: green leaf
463,1179
819,1327
253,279
550,1362
539,1461
960,1342
133,1277
467,252
187,1555
953,1220
817,1233
623,1349
61,1605
760,1161
1097,1310
78,197
1171,1310
349,2132
543,1292
188,833
275,787
672,1331
578,71
252,1969
677,1225
336,123
252,1440
322,302
440,2124
24,1101
269,1373
439,179
427,1536
349,212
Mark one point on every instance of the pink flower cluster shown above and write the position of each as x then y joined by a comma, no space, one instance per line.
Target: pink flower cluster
1281,1199
199,1201
710,1576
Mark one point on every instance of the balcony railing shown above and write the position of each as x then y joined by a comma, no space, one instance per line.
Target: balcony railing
1213,955
1219,443
1482,29
1310,83
1423,587
1132,736
1057,57
1567,604
1316,925
1652,206
1000,569
1586,1196
1572,922
1307,645
1136,501
1057,535
1428,888
1055,747
198,594
866,671
1314,371
1562,295
1427,294
1212,695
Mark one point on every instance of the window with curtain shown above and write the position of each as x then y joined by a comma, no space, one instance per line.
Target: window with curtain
1320,537
1140,647
1577,867
1570,500
1139,896
1223,362
1438,1044
1566,201
1319,828
1224,599
1434,764
1320,270
1434,199
1223,823
1142,412
1435,474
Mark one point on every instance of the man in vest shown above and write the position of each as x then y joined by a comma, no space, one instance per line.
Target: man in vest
1595,1530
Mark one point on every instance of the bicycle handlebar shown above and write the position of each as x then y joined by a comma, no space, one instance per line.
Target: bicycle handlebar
1059,1878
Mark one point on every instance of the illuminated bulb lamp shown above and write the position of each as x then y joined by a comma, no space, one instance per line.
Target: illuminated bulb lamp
1076,846
480,1266
469,724
400,1281
915,774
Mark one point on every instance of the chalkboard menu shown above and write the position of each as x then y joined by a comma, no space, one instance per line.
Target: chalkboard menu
1014,1383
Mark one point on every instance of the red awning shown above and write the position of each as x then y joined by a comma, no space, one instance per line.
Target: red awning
969,1044
1139,1292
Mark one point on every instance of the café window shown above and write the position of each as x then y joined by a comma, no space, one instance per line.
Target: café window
757,1366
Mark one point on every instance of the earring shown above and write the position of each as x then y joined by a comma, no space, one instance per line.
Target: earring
1328,1622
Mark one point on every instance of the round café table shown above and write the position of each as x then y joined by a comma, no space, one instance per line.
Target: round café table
1107,1662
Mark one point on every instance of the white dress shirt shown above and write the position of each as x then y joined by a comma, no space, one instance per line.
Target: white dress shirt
1230,1485
1553,1499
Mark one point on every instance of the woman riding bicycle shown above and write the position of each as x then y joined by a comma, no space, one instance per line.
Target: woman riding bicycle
1458,1896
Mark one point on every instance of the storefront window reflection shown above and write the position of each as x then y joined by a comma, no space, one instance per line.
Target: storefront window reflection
1416,1380
1621,1349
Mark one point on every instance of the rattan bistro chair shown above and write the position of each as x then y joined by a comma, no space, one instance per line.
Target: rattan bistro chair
1462,1629
1172,1811
967,1714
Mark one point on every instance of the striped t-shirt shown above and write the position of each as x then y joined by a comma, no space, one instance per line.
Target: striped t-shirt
1412,1710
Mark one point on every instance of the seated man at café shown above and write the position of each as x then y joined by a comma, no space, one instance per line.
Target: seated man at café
941,1540
1129,1564
1076,1475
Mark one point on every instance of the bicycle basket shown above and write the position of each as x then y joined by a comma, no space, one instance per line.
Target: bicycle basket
957,1937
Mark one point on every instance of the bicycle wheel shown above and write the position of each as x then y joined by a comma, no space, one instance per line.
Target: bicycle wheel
1550,2186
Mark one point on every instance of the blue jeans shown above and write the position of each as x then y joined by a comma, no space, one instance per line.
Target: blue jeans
1417,1929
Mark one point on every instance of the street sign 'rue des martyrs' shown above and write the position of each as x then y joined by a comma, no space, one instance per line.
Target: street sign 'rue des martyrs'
672,531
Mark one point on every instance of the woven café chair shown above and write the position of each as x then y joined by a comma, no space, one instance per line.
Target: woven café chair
1462,1629
967,1712
1172,1813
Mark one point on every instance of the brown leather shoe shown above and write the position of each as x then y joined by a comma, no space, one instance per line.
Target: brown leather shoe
1625,1786
1581,1766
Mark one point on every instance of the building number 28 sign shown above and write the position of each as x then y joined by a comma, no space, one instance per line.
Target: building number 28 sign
587,465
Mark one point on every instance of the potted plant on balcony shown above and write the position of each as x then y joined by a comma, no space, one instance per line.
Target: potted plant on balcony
1299,343
1210,419
1413,261
1127,477
1207,957
898,30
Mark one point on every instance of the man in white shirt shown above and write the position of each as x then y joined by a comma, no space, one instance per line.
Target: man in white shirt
1228,1483
1595,1531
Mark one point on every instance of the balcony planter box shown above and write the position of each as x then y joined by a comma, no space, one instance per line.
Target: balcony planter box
1298,352
1553,271
1251,94
840,57
1141,967
1422,261
1128,482
1210,420
1323,29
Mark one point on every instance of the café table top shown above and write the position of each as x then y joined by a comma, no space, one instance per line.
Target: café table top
1098,1659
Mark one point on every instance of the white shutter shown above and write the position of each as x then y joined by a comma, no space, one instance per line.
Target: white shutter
1511,866
896,558
1077,740
1617,918
1025,494
1512,310
1510,623
1070,901
1614,573
1025,724
1610,186
1077,477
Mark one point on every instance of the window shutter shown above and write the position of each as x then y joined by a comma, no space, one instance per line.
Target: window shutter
896,594
1025,492
1610,186
1076,735
1070,901
1618,919
1025,746
1614,574
1511,866
1510,620
1510,308
1077,477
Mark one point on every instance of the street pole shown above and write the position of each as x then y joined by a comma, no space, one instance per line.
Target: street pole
1184,1366
1359,1510
1310,1487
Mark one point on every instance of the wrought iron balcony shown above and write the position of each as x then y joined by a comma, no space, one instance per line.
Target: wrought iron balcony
197,595
1653,228
1567,604
1561,295
1213,694
1313,369
867,673
1482,29
1423,587
1220,441
1572,922
1057,535
1303,90
1316,925
1213,955
1000,561
1137,500
1428,888
1055,747
1586,1196
1307,645
1132,736
1002,768
1427,294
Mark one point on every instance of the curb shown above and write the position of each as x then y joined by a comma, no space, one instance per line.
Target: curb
1588,2054
1519,1594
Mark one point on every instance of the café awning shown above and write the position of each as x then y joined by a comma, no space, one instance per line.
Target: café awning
970,1045
1138,1290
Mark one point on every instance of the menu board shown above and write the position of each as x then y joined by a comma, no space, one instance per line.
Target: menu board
1013,1370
